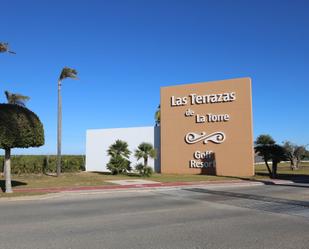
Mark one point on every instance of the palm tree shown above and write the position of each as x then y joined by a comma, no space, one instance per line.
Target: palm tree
119,148
65,73
119,161
16,98
4,48
145,150
158,116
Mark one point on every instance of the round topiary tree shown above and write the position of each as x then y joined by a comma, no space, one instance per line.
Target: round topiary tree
19,128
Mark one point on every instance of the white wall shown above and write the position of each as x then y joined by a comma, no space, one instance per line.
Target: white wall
98,141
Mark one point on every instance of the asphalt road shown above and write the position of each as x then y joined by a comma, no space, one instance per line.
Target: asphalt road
225,217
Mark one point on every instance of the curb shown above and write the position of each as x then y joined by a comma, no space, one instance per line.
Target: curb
62,192
55,192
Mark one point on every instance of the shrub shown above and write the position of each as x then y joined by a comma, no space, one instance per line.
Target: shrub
117,165
119,154
148,171
39,164
144,170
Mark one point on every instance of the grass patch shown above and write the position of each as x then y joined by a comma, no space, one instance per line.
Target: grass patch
4,195
284,172
65,180
99,179
284,168
30,181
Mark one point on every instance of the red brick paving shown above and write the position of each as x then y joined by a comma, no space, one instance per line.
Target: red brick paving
115,187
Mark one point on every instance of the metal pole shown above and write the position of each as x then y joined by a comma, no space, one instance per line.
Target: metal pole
59,129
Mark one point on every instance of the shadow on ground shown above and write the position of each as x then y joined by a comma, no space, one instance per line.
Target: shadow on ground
227,195
14,184
295,178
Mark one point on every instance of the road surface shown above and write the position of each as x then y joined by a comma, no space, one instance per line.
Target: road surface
190,218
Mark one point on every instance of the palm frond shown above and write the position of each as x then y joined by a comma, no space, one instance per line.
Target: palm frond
68,73
16,98
139,154
145,150
4,48
119,148
7,95
158,116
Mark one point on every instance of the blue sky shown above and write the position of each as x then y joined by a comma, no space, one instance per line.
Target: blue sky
126,50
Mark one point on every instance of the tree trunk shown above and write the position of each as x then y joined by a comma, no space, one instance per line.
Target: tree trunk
7,171
298,161
268,168
59,129
274,173
294,164
145,161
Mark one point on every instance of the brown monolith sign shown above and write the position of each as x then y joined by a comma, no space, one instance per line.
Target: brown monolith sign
206,128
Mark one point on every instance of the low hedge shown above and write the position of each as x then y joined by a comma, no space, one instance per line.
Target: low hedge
41,164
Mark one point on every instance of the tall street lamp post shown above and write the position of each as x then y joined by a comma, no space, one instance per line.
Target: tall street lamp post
65,73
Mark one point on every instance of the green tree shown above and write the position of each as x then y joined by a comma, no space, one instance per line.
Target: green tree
262,144
4,48
306,155
266,147
300,154
295,153
290,153
277,155
65,73
16,98
119,153
19,128
145,150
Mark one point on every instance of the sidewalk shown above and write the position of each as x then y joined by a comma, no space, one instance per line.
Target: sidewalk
136,186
